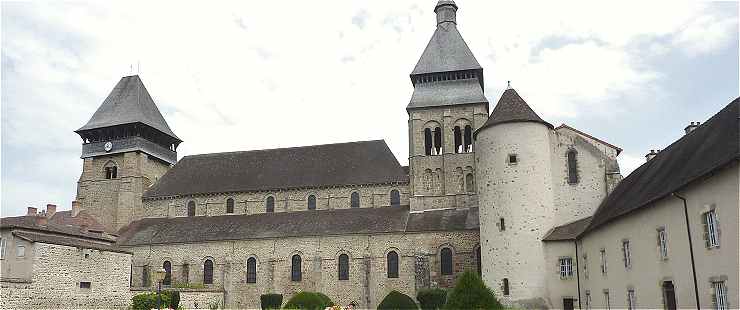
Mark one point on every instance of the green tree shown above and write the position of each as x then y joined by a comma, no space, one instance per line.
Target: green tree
471,293
397,301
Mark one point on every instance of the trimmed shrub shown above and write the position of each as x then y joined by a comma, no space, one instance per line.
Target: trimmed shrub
397,301
271,301
325,299
174,299
471,293
432,298
308,301
147,301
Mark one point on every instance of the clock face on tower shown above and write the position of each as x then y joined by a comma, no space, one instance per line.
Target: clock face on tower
108,146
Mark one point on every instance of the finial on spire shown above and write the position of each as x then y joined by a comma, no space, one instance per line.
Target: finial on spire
508,84
446,11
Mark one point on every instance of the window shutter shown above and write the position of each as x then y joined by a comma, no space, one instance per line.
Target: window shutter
706,229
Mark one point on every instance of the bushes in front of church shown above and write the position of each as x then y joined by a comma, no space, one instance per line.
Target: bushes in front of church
431,298
309,301
397,301
147,301
471,293
271,301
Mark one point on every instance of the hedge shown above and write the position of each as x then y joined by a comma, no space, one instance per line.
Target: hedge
471,293
147,301
431,299
271,301
308,301
397,301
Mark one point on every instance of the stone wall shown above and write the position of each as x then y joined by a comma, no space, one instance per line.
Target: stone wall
57,273
368,282
285,200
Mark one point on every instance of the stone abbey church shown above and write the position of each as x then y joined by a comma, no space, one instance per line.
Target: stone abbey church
541,212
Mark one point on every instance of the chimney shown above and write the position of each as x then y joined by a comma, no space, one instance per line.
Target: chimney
32,211
691,127
51,209
75,208
650,155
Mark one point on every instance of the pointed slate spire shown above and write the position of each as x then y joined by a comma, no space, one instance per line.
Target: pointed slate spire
128,103
512,108
446,50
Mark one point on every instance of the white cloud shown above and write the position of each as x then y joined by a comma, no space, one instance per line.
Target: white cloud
251,75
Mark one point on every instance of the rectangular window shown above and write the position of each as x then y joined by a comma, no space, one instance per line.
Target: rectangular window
588,300
631,299
603,261
719,298
585,265
85,285
501,224
626,255
2,248
662,243
20,251
607,302
566,267
711,235
513,159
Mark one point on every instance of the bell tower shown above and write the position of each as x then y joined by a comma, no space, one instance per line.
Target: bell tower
446,107
126,146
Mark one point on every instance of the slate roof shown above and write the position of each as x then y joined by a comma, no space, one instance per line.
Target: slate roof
83,218
711,146
31,223
67,241
129,102
446,51
352,163
512,108
568,231
295,224
444,93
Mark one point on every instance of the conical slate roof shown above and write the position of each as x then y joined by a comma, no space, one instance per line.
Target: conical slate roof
446,51
512,108
129,102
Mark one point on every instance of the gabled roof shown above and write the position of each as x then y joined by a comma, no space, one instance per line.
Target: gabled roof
353,163
569,231
68,241
295,224
55,225
709,147
446,51
445,93
512,108
564,126
129,102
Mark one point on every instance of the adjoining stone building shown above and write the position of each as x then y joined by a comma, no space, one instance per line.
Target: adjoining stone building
537,210
61,260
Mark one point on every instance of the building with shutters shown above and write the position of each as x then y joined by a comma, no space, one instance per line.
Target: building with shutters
540,211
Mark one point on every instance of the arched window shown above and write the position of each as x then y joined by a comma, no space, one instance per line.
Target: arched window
355,200
427,141
145,276
295,268
395,198
270,204
437,141
312,202
478,261
343,267
470,183
458,140
468,141
445,257
392,262
572,167
208,271
251,270
230,205
167,273
191,208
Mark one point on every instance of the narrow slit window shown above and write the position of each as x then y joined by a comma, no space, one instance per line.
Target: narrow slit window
662,243
270,204
501,224
427,141
506,287
626,254
572,167
458,140
468,142
251,270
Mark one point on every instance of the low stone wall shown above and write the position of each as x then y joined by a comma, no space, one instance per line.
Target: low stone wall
201,299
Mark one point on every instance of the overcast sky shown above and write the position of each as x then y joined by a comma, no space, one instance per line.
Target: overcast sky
253,75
